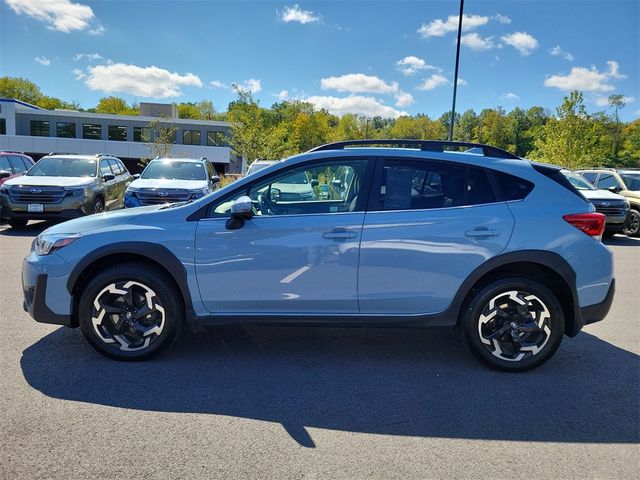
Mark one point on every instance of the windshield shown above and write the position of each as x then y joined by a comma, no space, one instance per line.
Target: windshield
632,181
63,167
578,180
296,179
175,170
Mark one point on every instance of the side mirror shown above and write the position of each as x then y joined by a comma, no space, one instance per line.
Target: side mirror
241,210
4,174
614,189
108,177
215,179
136,176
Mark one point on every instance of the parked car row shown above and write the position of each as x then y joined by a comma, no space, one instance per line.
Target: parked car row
65,186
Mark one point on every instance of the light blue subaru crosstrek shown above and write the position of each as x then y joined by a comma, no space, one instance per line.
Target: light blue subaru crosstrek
397,233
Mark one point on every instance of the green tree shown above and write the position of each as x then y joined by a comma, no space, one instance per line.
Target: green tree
20,89
571,138
165,137
464,128
248,133
617,102
115,106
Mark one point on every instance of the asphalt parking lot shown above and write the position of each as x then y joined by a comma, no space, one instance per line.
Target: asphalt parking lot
316,402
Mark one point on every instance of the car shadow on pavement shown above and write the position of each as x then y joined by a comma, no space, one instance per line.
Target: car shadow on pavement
622,241
33,229
382,381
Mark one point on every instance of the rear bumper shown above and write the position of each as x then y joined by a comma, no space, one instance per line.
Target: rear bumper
597,312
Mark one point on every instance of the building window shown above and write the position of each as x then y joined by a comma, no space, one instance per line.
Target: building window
215,139
3,126
141,134
66,130
92,131
39,128
191,137
118,133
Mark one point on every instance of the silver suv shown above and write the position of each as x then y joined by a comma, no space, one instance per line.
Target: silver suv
63,186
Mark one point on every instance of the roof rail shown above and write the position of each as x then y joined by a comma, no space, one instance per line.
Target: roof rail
61,153
426,145
11,151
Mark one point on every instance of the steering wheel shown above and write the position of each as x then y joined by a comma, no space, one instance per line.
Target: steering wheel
264,203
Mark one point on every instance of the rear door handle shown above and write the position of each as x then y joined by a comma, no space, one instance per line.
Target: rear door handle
482,232
340,234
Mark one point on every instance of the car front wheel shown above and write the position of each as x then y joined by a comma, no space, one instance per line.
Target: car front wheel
513,324
130,312
632,227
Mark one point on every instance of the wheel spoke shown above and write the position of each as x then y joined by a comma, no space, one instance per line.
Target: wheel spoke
112,308
498,333
143,312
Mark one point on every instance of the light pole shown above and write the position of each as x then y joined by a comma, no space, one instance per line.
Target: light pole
455,76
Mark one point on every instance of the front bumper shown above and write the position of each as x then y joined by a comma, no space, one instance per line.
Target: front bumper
35,304
46,297
69,207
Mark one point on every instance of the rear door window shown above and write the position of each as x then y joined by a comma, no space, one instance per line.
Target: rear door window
418,185
104,168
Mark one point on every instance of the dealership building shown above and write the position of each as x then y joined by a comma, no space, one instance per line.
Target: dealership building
37,132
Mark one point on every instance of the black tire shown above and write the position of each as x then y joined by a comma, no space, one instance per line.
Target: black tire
17,222
98,205
130,326
632,227
533,307
608,234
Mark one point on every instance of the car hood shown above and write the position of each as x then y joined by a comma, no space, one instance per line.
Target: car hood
101,220
50,181
168,183
600,195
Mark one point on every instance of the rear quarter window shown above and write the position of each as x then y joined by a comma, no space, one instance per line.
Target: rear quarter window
512,187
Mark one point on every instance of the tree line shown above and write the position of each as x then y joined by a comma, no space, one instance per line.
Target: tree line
568,136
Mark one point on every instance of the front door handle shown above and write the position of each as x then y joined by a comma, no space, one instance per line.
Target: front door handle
339,234
482,232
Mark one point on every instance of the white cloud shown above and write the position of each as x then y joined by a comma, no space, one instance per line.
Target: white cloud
43,61
283,95
411,65
510,96
61,15
558,52
613,70
501,18
434,81
356,104
521,41
462,82
79,74
603,101
586,80
296,14
358,83
218,84
403,99
476,42
150,82
89,57
439,27
97,30
252,85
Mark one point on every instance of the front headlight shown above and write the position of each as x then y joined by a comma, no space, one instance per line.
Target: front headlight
44,244
130,190
5,189
75,191
201,192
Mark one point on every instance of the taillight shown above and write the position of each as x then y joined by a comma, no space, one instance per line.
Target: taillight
590,223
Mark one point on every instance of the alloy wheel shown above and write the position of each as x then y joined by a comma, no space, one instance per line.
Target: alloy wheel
514,325
128,315
632,227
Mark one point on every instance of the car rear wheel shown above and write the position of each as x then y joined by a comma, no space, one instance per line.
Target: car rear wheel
17,222
130,312
632,227
513,324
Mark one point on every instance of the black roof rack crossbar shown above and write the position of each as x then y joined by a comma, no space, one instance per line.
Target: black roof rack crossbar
427,145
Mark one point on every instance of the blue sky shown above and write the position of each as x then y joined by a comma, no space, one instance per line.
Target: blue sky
385,57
